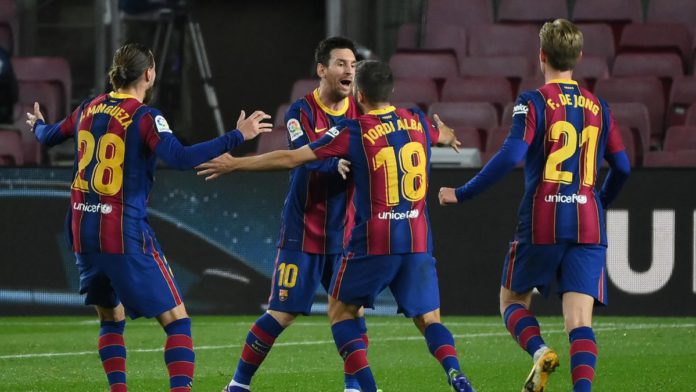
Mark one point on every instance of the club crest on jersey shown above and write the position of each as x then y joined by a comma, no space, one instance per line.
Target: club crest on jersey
282,295
161,124
520,109
294,129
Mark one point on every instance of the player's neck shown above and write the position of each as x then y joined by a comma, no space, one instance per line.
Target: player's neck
552,74
139,94
368,107
331,101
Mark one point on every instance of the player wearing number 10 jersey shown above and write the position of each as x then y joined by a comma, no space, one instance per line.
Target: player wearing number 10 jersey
122,267
565,132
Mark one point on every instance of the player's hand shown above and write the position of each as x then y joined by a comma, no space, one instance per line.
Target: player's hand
251,126
447,135
343,168
447,196
31,118
216,167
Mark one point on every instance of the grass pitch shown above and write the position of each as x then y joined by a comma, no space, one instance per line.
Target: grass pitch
56,354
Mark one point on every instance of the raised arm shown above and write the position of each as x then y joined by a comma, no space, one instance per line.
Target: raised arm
274,160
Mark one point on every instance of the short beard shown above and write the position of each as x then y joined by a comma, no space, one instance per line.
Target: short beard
148,95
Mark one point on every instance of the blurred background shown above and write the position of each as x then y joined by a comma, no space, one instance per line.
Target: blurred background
464,59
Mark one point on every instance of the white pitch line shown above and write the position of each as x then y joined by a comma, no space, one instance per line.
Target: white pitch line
319,342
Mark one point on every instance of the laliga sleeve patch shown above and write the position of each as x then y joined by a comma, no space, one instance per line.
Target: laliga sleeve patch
161,124
294,129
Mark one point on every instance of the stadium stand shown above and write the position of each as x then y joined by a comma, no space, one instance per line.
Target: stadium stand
277,139
537,11
680,137
54,71
682,95
32,151
683,158
446,37
662,65
610,11
628,142
494,90
9,25
407,37
590,69
657,37
421,91
479,115
10,147
423,65
636,117
512,67
494,139
457,12
598,40
279,119
503,40
302,87
691,115
673,11
45,94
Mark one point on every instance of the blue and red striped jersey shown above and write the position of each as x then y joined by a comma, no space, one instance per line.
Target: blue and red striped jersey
118,140
569,131
389,151
318,211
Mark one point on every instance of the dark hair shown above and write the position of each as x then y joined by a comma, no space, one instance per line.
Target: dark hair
562,42
375,80
322,54
130,61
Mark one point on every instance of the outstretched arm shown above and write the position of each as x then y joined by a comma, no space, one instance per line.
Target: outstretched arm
274,160
620,168
51,134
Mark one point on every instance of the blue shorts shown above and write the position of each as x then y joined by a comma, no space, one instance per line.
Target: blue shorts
144,283
578,268
411,277
296,277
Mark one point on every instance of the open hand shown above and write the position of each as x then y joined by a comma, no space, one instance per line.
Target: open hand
447,196
31,118
447,135
251,126
343,168
216,167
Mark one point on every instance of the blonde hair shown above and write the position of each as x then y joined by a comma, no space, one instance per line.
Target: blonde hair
561,41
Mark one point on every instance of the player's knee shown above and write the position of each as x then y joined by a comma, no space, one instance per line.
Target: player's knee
423,321
283,318
578,321
111,314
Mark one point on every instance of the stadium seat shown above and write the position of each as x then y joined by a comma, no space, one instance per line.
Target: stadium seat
9,25
513,67
457,12
32,151
469,137
662,65
446,37
54,70
691,115
10,147
302,87
636,117
503,40
645,90
407,37
494,139
279,119
421,91
479,115
405,105
682,95
423,65
680,138
506,118
590,69
684,158
598,40
628,142
525,11
46,94
277,139
493,90
657,37
610,11
673,11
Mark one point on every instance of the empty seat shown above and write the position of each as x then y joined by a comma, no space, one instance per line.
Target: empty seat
680,138
446,37
662,65
537,11
277,139
32,151
503,40
9,25
612,11
494,140
493,90
628,139
302,87
46,94
469,137
657,37
421,91
636,117
598,40
645,90
10,148
423,65
514,67
531,83
506,118
480,115
691,115
685,158
590,69
279,119
407,36
682,95
55,70
673,11
457,12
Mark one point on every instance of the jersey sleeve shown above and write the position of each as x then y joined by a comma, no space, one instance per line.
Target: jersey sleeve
614,141
433,132
334,143
523,119
298,123
52,134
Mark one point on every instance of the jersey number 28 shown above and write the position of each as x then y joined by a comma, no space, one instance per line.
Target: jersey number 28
107,175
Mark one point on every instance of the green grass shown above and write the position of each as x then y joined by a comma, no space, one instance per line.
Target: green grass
55,354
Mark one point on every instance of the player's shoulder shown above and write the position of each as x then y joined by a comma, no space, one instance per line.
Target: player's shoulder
148,113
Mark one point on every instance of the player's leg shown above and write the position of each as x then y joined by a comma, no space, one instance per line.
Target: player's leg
417,295
526,267
296,277
178,348
583,284
333,261
112,320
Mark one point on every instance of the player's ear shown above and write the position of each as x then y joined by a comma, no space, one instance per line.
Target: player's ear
321,70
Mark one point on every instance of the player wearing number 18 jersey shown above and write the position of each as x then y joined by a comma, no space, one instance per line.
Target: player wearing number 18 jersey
565,132
122,267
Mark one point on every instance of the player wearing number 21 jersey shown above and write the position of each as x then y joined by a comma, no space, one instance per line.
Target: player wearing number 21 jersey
565,132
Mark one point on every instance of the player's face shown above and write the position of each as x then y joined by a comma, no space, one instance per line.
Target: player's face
340,73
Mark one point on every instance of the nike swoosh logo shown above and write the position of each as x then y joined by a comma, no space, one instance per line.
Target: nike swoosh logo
319,130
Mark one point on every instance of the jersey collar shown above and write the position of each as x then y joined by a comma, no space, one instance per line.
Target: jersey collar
565,81
328,110
378,112
116,95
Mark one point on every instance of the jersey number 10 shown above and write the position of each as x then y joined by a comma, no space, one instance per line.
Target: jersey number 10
107,175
